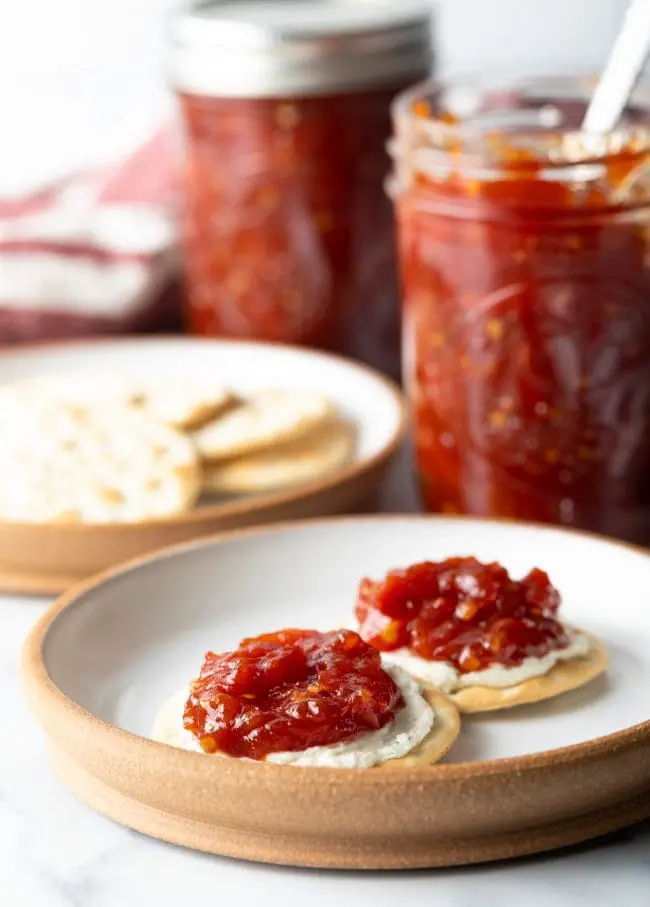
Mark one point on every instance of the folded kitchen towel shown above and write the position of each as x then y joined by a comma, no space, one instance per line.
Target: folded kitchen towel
95,253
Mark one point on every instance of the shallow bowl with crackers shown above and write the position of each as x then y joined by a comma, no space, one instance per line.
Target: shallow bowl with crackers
111,449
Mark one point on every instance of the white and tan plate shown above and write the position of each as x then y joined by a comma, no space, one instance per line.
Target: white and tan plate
101,662
41,558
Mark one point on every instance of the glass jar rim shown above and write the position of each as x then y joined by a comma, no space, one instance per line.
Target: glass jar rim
555,147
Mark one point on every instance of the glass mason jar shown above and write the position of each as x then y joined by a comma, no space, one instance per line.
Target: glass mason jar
288,234
525,263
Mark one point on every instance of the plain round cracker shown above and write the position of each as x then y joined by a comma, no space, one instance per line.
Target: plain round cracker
439,740
307,459
78,464
265,420
563,677
182,401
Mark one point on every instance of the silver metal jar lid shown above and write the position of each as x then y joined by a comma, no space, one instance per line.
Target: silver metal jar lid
275,48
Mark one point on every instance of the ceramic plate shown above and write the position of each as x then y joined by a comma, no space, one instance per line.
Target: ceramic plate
47,559
101,662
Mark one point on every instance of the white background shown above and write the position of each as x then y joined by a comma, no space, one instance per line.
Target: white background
78,78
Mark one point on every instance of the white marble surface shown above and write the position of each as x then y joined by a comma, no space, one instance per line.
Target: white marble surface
55,852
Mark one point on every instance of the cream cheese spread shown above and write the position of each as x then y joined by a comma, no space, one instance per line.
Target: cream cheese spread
444,676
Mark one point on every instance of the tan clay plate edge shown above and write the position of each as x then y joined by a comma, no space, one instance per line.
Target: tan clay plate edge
258,503
37,683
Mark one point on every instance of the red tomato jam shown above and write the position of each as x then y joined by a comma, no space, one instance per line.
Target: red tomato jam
288,691
525,260
469,614
288,232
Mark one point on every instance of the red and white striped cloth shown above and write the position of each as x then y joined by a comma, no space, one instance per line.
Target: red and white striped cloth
95,253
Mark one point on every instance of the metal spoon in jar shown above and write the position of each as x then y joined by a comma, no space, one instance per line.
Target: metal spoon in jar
612,93
621,72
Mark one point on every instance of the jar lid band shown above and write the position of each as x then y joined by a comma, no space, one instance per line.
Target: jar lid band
275,48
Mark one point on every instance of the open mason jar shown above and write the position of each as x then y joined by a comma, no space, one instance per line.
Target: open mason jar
288,235
525,265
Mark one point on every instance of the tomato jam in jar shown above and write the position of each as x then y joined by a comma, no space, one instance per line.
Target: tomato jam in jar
525,263
288,233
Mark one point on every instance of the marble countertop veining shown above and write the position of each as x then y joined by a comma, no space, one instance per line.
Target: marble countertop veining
56,852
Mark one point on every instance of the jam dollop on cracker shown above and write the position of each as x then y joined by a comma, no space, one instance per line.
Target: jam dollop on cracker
466,613
289,691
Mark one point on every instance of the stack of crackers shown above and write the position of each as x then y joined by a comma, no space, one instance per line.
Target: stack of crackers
92,449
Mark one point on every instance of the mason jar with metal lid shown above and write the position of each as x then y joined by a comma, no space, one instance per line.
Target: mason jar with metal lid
288,233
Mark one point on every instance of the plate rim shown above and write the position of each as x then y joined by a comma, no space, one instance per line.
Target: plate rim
253,504
36,680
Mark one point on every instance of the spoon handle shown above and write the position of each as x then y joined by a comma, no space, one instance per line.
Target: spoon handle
623,68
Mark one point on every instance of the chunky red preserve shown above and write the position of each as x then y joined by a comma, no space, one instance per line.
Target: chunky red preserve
288,232
461,611
288,691
525,262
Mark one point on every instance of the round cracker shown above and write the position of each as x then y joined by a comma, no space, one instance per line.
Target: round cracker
185,402
305,460
78,464
563,677
265,420
182,401
73,389
439,740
